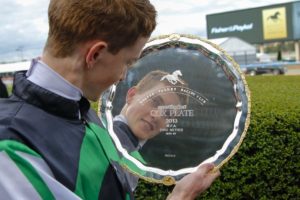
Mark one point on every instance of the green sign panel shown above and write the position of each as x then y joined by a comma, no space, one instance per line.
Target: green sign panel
257,25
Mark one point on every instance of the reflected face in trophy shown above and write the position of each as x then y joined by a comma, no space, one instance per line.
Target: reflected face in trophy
140,107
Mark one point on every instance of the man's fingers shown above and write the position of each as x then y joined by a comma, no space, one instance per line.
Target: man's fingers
208,170
205,168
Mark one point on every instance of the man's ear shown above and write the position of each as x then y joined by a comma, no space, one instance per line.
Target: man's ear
95,52
130,94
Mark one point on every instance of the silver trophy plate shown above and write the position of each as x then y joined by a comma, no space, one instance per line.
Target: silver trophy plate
184,103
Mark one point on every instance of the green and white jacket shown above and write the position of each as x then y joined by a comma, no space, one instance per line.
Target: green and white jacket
55,148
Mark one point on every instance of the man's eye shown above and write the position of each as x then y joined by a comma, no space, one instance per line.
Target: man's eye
155,102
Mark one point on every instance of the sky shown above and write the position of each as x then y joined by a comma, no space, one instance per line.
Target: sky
24,23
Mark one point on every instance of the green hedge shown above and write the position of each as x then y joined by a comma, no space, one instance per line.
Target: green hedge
267,166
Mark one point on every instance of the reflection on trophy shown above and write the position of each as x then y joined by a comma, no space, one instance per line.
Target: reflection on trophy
183,103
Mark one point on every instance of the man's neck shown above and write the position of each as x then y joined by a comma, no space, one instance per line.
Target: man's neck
70,68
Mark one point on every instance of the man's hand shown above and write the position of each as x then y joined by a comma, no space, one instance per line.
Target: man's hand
193,184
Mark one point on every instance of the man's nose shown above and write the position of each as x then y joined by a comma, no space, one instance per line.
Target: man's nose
158,119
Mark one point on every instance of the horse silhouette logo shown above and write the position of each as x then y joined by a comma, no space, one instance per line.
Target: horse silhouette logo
274,17
173,78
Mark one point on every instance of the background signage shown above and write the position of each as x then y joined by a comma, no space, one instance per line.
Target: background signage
279,22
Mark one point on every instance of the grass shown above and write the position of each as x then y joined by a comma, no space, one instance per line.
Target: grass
280,93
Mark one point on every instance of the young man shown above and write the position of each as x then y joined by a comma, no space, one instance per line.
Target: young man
51,143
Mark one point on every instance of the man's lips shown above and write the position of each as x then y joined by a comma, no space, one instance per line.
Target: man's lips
151,126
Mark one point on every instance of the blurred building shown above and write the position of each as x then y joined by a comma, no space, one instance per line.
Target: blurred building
241,51
7,69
